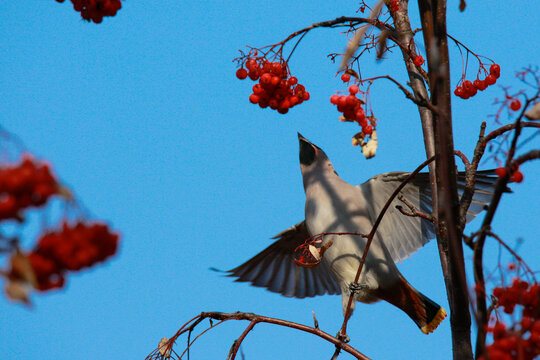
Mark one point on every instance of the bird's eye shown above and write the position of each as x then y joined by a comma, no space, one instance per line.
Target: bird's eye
307,153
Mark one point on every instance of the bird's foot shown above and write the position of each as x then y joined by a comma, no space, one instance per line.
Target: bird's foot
343,337
355,288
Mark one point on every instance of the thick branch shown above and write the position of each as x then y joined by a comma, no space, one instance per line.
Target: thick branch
433,17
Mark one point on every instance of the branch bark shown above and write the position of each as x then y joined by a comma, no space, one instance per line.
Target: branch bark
433,17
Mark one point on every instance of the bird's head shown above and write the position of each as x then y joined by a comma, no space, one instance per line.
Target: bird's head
313,160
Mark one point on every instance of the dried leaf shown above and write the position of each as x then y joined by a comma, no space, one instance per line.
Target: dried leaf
370,148
164,348
21,269
18,291
534,112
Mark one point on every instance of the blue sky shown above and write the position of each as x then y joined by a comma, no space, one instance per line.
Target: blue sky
143,118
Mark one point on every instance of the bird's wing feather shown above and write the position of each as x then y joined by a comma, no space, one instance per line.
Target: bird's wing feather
274,269
403,235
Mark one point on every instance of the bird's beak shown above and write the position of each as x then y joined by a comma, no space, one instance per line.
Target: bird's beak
308,151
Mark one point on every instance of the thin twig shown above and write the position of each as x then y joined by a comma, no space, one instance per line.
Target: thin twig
343,331
253,318
414,211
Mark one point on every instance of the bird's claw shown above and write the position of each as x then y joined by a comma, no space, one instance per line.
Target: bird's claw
343,337
356,287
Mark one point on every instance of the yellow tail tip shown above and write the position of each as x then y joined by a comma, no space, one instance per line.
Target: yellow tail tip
437,319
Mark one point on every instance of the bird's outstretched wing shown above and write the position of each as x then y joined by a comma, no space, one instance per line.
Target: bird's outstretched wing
274,269
403,235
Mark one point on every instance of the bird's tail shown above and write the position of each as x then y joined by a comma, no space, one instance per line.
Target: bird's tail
425,313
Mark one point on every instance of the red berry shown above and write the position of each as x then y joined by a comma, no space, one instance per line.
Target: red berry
345,77
515,105
480,84
275,81
292,81
251,64
254,99
495,70
285,104
257,89
306,96
334,99
263,103
490,79
342,101
277,69
500,172
418,60
254,75
517,177
359,114
266,79
353,89
273,103
367,129
241,73
351,100
469,88
459,92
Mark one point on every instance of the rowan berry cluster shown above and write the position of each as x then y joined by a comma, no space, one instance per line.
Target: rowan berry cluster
468,89
95,10
351,107
27,184
522,339
516,175
72,248
276,89
519,293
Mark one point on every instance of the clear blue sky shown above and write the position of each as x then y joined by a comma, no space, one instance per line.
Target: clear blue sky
143,118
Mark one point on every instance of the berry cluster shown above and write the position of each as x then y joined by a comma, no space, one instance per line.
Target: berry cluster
351,107
28,183
95,10
511,343
394,5
516,175
519,293
468,89
276,88
73,248
522,339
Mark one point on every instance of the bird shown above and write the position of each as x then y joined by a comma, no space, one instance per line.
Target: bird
335,206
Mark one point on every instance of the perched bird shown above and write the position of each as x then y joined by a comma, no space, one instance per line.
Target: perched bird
335,206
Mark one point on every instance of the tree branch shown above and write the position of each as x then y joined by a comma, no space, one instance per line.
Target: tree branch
163,352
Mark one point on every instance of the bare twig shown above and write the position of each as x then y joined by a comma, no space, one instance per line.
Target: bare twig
418,99
236,344
414,211
254,319
343,331
514,254
500,187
